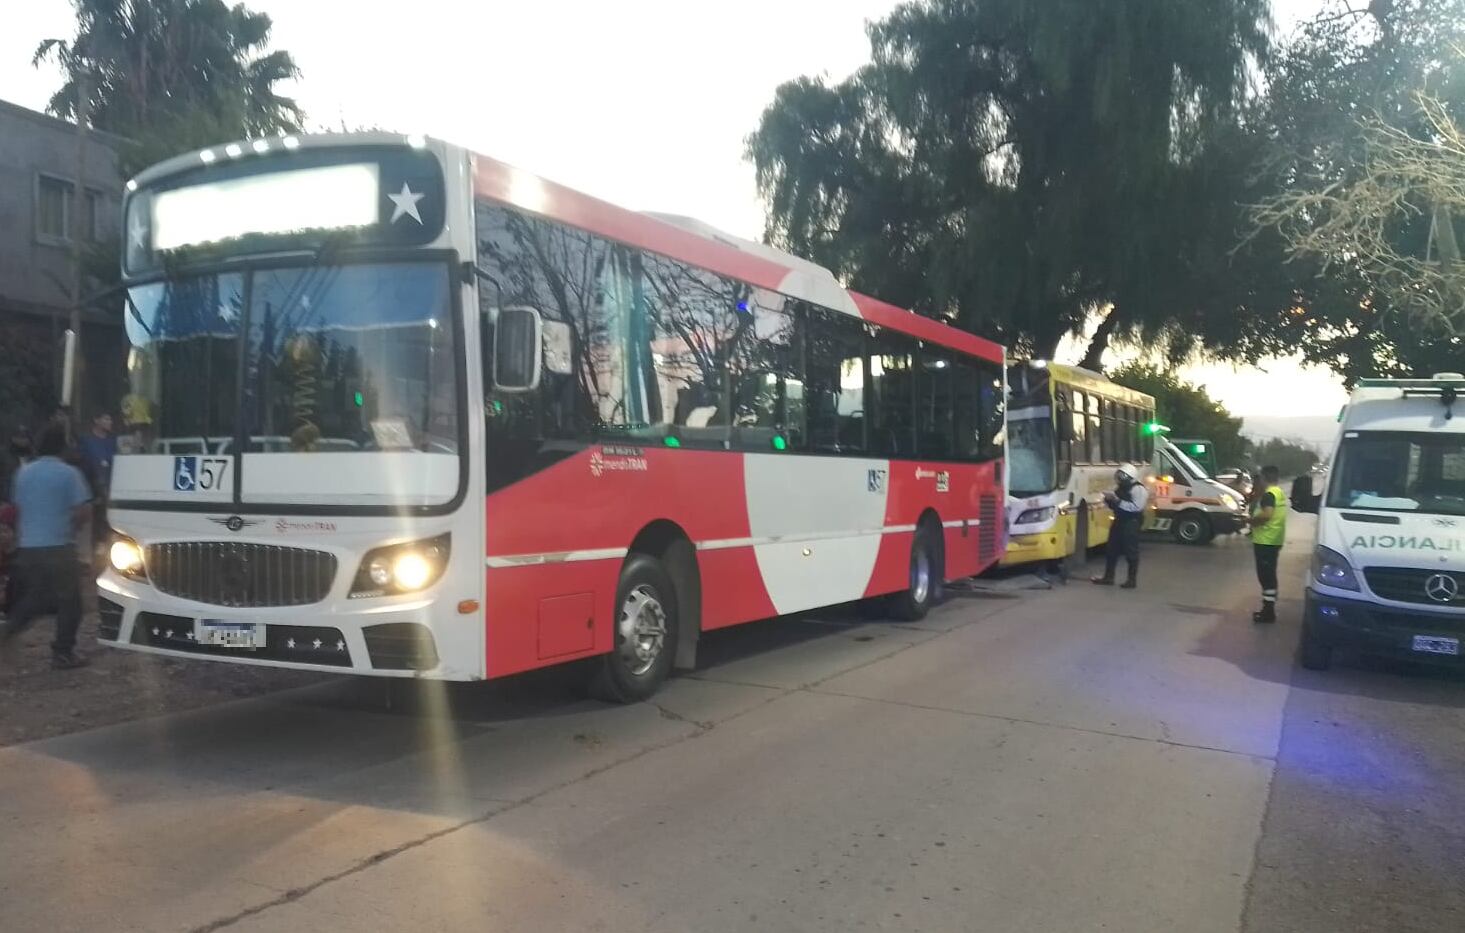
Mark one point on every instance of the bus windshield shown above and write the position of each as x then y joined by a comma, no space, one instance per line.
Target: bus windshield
1400,471
1031,451
300,359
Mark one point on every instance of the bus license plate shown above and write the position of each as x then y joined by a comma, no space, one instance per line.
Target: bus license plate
222,634
1434,644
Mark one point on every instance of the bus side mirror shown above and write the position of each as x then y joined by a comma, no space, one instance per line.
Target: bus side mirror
518,337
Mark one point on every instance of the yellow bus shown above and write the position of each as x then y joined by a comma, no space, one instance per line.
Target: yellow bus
1068,429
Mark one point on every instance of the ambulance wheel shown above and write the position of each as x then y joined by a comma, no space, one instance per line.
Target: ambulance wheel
1193,528
644,635
1313,651
926,576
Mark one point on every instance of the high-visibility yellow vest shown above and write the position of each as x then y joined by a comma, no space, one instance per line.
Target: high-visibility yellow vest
1274,532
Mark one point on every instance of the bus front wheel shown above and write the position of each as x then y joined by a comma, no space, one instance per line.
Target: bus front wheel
645,634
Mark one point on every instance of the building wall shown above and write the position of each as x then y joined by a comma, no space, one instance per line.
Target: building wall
35,270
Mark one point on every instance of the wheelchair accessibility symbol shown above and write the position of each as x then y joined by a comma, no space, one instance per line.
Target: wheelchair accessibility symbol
199,474
185,473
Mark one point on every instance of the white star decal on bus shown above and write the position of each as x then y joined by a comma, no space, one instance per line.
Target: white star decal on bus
406,202
139,233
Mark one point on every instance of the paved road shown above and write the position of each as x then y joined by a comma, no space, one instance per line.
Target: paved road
1068,760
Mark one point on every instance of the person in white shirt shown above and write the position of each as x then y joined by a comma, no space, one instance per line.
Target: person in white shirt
1127,501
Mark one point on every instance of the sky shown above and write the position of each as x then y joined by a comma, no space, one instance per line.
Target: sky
644,103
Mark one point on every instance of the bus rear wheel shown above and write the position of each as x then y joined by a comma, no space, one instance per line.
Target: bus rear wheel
644,637
927,574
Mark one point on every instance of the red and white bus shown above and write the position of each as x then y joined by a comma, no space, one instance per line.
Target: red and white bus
399,409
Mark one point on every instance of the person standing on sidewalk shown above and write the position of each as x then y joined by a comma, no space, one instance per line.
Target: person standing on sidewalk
1268,532
1128,501
98,448
52,502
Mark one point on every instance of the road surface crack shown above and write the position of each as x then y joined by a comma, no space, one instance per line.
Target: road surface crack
1067,727
699,729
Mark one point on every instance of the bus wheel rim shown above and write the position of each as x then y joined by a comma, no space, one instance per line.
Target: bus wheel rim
920,576
1190,529
642,629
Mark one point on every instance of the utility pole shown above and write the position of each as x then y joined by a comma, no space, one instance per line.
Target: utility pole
71,368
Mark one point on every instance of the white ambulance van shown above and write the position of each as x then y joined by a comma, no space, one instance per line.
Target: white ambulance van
1388,567
1188,503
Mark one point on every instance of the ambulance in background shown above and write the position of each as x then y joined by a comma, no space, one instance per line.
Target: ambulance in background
1388,567
1187,501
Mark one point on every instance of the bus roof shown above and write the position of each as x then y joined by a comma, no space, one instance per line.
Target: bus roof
1090,381
683,238
700,244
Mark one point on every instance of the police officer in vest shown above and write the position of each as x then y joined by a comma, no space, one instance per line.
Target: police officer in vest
1268,531
1127,502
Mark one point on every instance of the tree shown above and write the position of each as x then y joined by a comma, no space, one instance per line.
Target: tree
1363,109
1187,410
1289,457
1403,183
172,75
1018,165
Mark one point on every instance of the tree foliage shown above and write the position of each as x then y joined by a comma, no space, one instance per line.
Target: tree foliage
1361,109
1187,409
1289,457
1017,165
171,75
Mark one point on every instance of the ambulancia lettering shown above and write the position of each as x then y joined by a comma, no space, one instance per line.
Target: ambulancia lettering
1408,543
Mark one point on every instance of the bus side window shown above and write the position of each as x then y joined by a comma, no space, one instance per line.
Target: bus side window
695,329
936,397
532,430
1111,444
1064,438
1095,434
892,367
835,377
1080,430
768,395
968,414
994,411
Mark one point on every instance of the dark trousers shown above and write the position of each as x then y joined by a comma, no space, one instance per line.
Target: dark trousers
1266,572
1123,542
47,574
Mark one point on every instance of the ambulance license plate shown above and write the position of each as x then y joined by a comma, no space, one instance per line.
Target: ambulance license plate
1435,644
224,634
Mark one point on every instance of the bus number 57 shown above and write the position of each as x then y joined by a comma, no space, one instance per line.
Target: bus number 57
199,473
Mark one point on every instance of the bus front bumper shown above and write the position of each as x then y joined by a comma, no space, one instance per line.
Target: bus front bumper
399,639
1373,628
1045,545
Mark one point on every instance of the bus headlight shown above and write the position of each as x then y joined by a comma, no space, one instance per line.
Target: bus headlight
1034,516
1332,569
126,557
401,568
1232,503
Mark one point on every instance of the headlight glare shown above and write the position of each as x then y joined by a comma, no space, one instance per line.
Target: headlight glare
411,571
396,569
126,558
